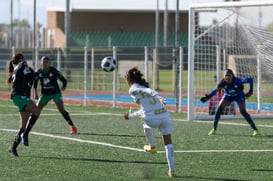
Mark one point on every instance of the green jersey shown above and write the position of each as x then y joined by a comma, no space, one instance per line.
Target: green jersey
49,81
22,80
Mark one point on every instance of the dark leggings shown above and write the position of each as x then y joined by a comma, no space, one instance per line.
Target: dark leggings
248,119
243,112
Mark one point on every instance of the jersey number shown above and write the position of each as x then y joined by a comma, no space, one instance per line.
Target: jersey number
152,98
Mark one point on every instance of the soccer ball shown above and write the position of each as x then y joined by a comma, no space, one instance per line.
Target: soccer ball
108,64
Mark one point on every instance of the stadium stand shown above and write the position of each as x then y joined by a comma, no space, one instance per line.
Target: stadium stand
104,39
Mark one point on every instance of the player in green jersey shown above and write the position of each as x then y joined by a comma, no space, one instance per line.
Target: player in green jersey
21,78
50,90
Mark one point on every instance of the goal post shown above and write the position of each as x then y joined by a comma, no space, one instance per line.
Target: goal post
236,35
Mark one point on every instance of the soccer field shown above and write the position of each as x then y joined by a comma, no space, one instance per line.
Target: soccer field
110,148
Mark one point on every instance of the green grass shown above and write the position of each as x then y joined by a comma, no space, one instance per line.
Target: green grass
57,155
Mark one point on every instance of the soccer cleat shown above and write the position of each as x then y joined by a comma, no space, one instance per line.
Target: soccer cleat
13,151
171,174
256,133
73,130
148,148
25,140
212,132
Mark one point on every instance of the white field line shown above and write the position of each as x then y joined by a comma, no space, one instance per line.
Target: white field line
86,113
221,151
135,149
78,140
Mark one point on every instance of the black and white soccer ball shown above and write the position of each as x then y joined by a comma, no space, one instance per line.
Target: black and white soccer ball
108,64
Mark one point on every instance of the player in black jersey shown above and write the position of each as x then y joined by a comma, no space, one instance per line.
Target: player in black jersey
21,78
50,90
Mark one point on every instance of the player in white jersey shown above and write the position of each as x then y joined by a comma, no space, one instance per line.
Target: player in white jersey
154,114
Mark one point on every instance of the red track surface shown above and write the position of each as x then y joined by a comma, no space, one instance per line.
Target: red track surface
6,96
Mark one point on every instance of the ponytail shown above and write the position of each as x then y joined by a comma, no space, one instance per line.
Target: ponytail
16,58
136,77
10,71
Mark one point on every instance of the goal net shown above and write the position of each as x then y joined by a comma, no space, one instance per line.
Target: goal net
235,35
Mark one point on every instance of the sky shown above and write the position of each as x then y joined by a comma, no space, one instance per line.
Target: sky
23,9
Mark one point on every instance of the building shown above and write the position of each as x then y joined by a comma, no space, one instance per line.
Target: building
112,27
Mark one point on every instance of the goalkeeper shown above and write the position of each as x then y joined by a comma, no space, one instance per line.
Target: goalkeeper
233,87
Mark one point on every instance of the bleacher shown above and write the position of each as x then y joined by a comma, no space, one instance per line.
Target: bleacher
105,39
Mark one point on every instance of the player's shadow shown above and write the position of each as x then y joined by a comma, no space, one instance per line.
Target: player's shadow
105,134
210,178
267,136
262,170
240,135
99,160
245,135
111,135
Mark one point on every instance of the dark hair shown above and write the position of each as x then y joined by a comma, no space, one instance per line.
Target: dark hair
230,72
135,76
227,71
45,58
16,58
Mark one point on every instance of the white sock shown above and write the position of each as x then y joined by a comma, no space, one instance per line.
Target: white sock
149,136
170,156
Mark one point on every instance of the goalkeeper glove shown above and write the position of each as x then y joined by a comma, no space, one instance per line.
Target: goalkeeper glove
205,98
249,93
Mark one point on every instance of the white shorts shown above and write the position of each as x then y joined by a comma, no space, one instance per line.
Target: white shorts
164,124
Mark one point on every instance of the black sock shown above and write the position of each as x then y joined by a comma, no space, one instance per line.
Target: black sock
248,119
31,122
67,118
17,139
217,117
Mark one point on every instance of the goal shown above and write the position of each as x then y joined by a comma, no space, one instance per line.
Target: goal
235,35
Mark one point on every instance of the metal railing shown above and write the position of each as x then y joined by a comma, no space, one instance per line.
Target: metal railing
87,81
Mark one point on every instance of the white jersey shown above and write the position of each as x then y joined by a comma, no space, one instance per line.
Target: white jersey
150,102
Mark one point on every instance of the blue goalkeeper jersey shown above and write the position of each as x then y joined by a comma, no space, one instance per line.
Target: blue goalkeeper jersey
235,88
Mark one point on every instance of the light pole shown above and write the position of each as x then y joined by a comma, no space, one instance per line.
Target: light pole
67,24
11,23
166,22
34,52
34,25
155,65
176,58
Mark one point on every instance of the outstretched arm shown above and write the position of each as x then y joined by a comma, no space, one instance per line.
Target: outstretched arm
132,115
208,96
